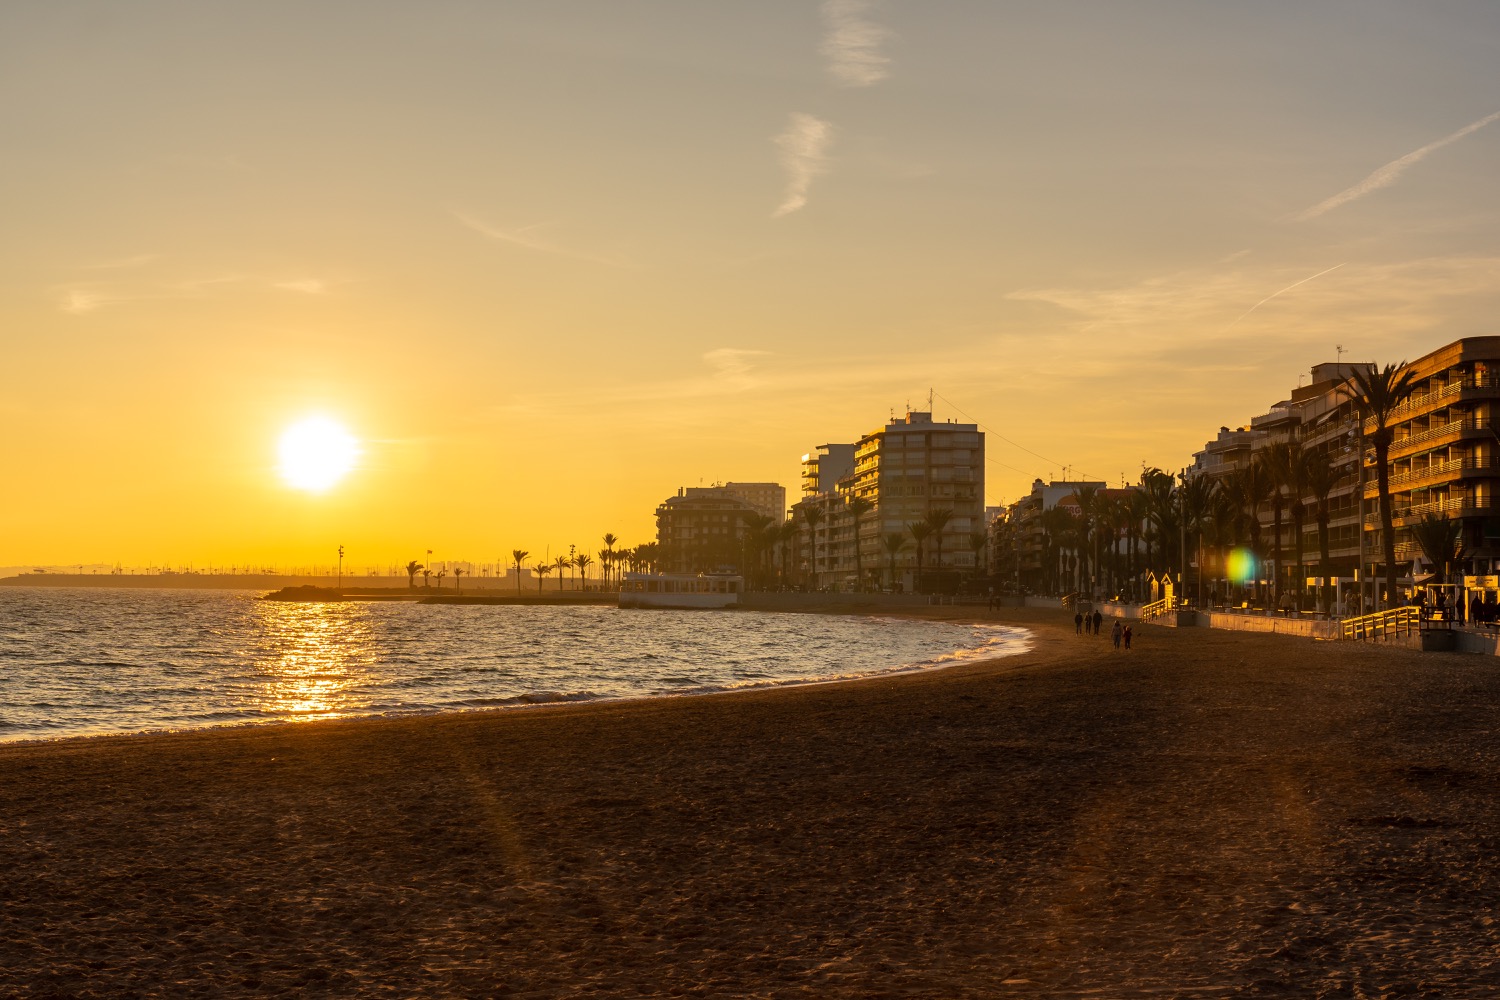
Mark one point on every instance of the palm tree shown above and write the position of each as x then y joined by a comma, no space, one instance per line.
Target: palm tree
458,579
605,561
919,532
1441,541
1280,460
412,569
978,542
813,515
520,556
858,507
1251,487
583,560
938,521
753,543
1320,480
541,570
1297,486
1058,524
1196,496
1161,513
1376,394
1223,521
1138,509
426,578
562,563
606,564
894,542
1088,498
440,574
788,533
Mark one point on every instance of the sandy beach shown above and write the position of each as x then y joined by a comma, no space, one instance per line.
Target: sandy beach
1210,814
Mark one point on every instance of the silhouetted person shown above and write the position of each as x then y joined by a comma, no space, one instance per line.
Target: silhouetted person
1116,632
1098,618
1127,636
1078,623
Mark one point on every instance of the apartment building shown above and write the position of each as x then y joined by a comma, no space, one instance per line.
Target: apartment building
1321,419
768,499
825,466
909,469
1443,459
1442,462
701,530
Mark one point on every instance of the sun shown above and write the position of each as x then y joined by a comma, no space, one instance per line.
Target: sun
315,453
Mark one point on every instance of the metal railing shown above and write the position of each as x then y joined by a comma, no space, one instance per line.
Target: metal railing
1461,506
1383,624
1449,391
1156,609
1440,470
1442,430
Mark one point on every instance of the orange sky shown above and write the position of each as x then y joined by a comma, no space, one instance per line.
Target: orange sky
551,261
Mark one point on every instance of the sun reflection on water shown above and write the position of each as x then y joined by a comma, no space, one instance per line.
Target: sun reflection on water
312,656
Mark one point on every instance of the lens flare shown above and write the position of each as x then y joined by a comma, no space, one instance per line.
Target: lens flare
1240,566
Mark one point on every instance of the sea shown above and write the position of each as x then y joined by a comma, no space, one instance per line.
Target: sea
95,662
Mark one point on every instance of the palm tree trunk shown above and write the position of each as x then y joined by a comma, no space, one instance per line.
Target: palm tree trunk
1324,563
1387,530
1276,549
1301,580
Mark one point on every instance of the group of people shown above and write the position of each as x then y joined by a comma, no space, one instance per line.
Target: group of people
1088,624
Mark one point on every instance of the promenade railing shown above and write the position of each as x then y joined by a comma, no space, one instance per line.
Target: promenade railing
1383,624
1156,609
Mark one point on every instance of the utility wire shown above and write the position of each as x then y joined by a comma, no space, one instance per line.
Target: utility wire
990,430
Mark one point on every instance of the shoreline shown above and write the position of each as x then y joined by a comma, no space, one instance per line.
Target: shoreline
945,661
1219,813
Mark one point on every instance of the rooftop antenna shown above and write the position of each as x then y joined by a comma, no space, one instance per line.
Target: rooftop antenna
1340,349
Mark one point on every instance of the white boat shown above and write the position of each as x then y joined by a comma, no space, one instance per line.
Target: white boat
680,590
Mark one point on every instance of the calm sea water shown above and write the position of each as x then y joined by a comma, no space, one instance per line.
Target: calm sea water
86,662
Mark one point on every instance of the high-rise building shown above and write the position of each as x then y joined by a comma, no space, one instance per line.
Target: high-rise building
767,498
909,470
701,530
824,466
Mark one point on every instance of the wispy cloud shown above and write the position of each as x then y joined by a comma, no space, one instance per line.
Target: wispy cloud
526,237
83,297
804,149
852,43
137,260
1375,302
732,365
308,286
1391,172
1288,288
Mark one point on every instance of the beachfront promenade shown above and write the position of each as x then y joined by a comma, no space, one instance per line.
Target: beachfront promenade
1211,814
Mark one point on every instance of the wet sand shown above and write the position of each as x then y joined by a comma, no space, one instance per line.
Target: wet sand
1208,815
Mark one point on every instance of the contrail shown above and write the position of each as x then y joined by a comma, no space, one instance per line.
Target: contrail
1388,174
1288,288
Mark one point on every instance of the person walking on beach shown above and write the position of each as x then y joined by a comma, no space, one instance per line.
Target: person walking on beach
1115,633
1078,623
1097,619
1127,636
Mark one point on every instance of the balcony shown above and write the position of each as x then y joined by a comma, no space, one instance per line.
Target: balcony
1473,387
1452,429
1442,470
1456,507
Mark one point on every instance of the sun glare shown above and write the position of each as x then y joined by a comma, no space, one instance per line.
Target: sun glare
315,454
